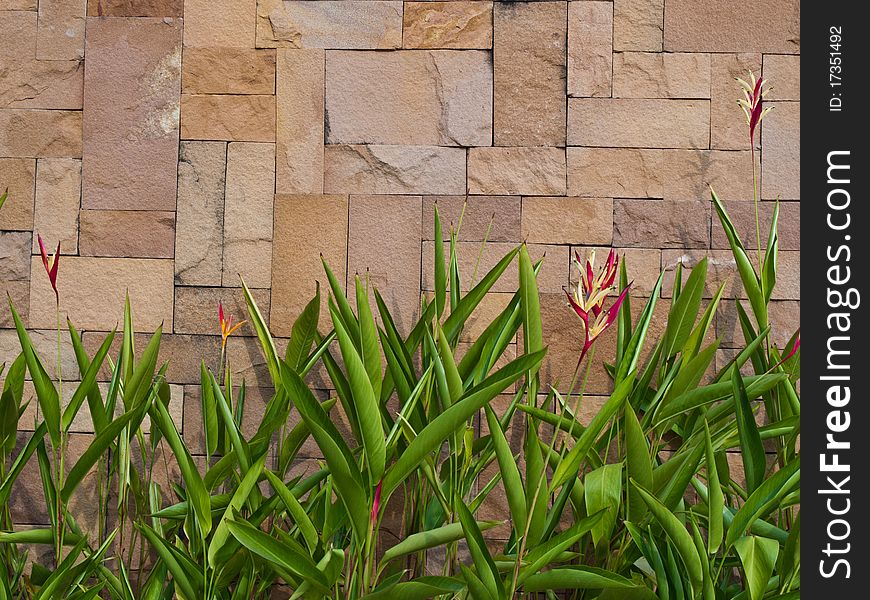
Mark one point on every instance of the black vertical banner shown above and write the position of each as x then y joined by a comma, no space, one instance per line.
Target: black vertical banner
835,263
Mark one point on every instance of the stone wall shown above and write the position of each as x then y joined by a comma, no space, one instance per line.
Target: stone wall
171,146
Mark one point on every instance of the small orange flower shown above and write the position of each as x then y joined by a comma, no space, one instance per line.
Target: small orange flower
50,265
227,327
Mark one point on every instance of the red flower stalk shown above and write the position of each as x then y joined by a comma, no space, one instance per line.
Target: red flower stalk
376,505
754,92
590,296
227,327
50,265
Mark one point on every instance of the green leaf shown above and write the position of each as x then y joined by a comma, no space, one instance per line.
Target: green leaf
603,492
263,335
10,401
769,266
507,465
486,569
440,267
370,351
431,538
637,462
576,578
756,385
764,499
338,296
758,556
209,410
296,511
239,499
533,338
544,554
715,497
751,448
95,400
421,588
634,348
684,311
304,333
187,583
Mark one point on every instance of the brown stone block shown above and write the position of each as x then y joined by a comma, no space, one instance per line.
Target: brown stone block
15,255
228,71
529,87
52,84
61,30
18,176
19,292
492,218
249,118
306,228
131,120
40,133
127,233
414,97
21,26
219,23
560,220
689,174
637,25
135,8
783,72
393,170
742,215
661,224
58,198
780,156
784,317
740,26
656,75
643,266
92,292
199,227
634,123
300,118
615,172
22,5
447,25
516,171
729,130
590,48
196,309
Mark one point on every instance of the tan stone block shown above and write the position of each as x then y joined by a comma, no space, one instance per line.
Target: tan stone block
219,23
228,71
742,215
23,5
492,218
638,25
388,255
590,48
21,26
250,191
415,97
475,262
529,87
53,84
780,158
236,118
568,220
19,292
729,130
615,172
783,72
643,266
135,8
132,87
199,227
196,309
61,31
447,25
300,118
689,174
92,292
741,26
17,176
40,133
127,233
393,170
661,224
656,75
634,123
15,255
345,24
516,171
784,317
58,197
306,228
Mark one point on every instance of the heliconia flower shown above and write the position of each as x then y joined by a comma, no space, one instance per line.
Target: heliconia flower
793,351
591,294
227,327
50,264
754,92
377,503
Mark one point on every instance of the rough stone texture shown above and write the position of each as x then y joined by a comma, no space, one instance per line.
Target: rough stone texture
393,170
135,8
347,24
17,176
784,73
146,233
728,126
56,211
780,159
147,281
689,174
638,25
247,242
52,84
529,87
784,317
447,25
432,97
132,85
306,228
19,292
15,255
615,172
654,75
61,30
199,223
516,171
41,133
389,256
563,220
234,118
742,215
300,117
639,123
196,309
492,218
23,5
228,71
219,23
711,26
590,48
661,224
